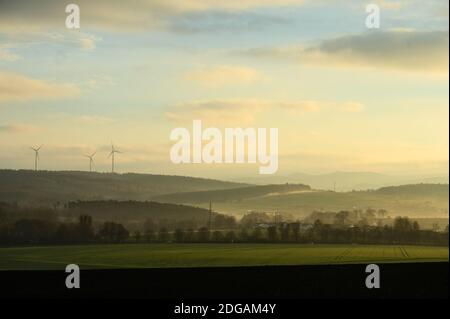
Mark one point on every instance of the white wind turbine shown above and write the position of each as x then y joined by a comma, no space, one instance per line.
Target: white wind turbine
91,160
113,152
36,156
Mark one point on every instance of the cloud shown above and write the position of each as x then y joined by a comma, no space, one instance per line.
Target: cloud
18,128
391,5
138,15
224,75
98,81
85,119
26,40
302,107
245,111
350,107
94,119
218,111
361,5
407,51
15,87
82,40
25,15
87,43
6,54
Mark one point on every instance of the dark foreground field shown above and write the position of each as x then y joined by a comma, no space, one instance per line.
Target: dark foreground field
130,256
236,271
405,280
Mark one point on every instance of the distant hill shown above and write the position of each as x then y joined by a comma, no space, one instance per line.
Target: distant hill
347,181
133,214
235,194
429,190
44,187
421,200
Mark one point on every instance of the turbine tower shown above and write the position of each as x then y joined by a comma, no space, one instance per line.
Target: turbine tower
91,160
113,152
36,156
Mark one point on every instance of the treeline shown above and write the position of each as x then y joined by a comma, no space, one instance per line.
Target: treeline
403,231
35,232
39,231
368,217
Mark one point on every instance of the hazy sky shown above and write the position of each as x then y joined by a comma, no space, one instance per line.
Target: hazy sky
343,97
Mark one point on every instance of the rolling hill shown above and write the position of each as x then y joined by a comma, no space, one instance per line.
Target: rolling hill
231,195
133,210
46,187
347,181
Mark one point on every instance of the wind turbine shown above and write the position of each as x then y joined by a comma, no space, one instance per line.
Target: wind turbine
113,152
36,156
91,160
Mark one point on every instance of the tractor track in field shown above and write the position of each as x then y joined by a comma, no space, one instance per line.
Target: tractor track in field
404,252
344,254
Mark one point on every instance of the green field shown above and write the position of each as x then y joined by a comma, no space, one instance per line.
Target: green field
209,255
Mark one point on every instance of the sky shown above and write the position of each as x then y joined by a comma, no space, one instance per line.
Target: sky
343,97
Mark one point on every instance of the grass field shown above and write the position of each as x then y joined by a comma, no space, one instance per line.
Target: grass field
209,255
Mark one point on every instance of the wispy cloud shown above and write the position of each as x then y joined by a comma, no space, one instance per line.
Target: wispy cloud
407,51
392,4
15,87
301,107
94,119
18,42
242,111
6,54
245,111
85,119
96,81
175,15
84,41
224,75
116,14
19,128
